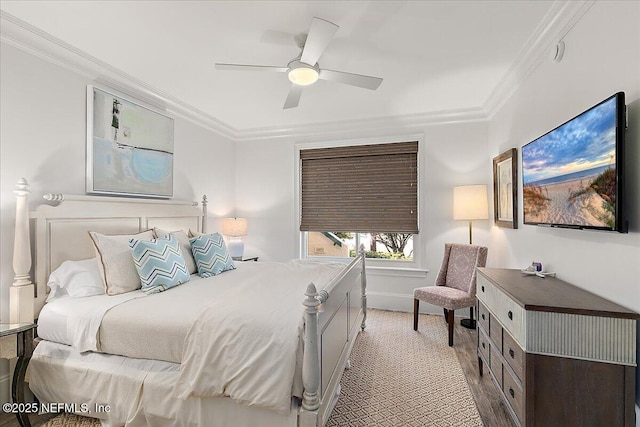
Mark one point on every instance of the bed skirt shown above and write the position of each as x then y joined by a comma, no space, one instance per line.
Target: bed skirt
122,391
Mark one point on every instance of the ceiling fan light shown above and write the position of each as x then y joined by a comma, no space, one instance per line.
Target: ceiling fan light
303,76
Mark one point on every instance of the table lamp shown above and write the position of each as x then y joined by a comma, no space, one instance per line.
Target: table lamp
235,228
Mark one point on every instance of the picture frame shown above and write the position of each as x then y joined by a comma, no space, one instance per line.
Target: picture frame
129,147
505,189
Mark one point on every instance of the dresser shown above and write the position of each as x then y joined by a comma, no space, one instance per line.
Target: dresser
560,355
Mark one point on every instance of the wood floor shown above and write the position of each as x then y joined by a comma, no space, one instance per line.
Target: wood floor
490,405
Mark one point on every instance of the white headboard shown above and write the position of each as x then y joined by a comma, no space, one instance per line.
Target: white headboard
60,233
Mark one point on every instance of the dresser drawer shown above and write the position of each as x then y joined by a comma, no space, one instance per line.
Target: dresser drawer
483,316
495,333
481,288
513,391
483,345
508,312
513,355
496,365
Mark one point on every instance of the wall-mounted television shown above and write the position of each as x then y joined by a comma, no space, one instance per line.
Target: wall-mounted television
573,175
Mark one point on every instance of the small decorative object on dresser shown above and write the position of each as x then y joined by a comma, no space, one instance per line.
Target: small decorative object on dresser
16,340
551,347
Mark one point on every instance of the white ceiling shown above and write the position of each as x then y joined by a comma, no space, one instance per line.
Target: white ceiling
434,56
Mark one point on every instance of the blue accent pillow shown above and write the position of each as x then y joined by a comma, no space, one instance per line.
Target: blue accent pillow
211,255
160,263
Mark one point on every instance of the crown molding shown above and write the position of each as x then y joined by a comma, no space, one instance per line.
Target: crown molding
43,45
558,21
371,124
36,42
555,25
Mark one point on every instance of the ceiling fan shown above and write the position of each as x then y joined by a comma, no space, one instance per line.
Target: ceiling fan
304,69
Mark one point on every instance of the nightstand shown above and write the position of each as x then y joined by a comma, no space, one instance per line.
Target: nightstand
16,340
253,258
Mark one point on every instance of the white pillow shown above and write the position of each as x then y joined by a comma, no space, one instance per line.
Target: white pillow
195,233
76,279
185,246
115,261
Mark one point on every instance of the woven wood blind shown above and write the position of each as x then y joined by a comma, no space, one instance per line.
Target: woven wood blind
364,189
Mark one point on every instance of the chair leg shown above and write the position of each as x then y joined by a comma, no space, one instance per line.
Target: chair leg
446,317
416,305
450,321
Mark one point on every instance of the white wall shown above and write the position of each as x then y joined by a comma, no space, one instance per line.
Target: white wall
452,154
42,138
602,57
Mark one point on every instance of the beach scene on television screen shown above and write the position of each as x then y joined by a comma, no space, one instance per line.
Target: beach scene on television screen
569,174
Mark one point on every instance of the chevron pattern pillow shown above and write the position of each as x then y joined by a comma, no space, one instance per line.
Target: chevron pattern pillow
160,263
211,255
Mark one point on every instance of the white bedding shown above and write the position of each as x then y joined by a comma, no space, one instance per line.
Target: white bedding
245,345
253,366
75,321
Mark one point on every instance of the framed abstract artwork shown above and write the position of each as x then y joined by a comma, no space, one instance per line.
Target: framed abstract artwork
129,147
505,189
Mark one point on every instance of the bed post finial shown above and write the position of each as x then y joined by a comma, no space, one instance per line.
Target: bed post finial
311,359
21,295
204,213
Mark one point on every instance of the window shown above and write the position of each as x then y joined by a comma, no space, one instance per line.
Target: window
391,246
370,190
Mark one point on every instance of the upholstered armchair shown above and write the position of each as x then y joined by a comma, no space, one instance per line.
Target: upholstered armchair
456,282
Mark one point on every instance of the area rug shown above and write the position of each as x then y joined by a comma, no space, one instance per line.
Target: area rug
72,420
398,377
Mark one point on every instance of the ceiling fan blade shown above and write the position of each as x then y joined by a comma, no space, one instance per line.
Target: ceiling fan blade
241,67
367,82
320,34
293,98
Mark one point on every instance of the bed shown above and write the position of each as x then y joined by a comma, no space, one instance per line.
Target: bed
190,355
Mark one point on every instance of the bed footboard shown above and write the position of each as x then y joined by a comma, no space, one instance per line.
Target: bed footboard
333,319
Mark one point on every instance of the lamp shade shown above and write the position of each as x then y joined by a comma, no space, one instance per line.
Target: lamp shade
234,227
470,202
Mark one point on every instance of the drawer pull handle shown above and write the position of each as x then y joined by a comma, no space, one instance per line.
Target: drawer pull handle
511,352
483,345
482,288
482,316
511,392
510,315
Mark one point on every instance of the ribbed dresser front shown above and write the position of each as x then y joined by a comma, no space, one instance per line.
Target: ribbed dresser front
552,348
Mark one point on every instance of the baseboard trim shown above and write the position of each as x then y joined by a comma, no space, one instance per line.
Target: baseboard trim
404,302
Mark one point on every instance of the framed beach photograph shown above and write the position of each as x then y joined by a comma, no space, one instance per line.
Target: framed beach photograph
505,189
129,147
